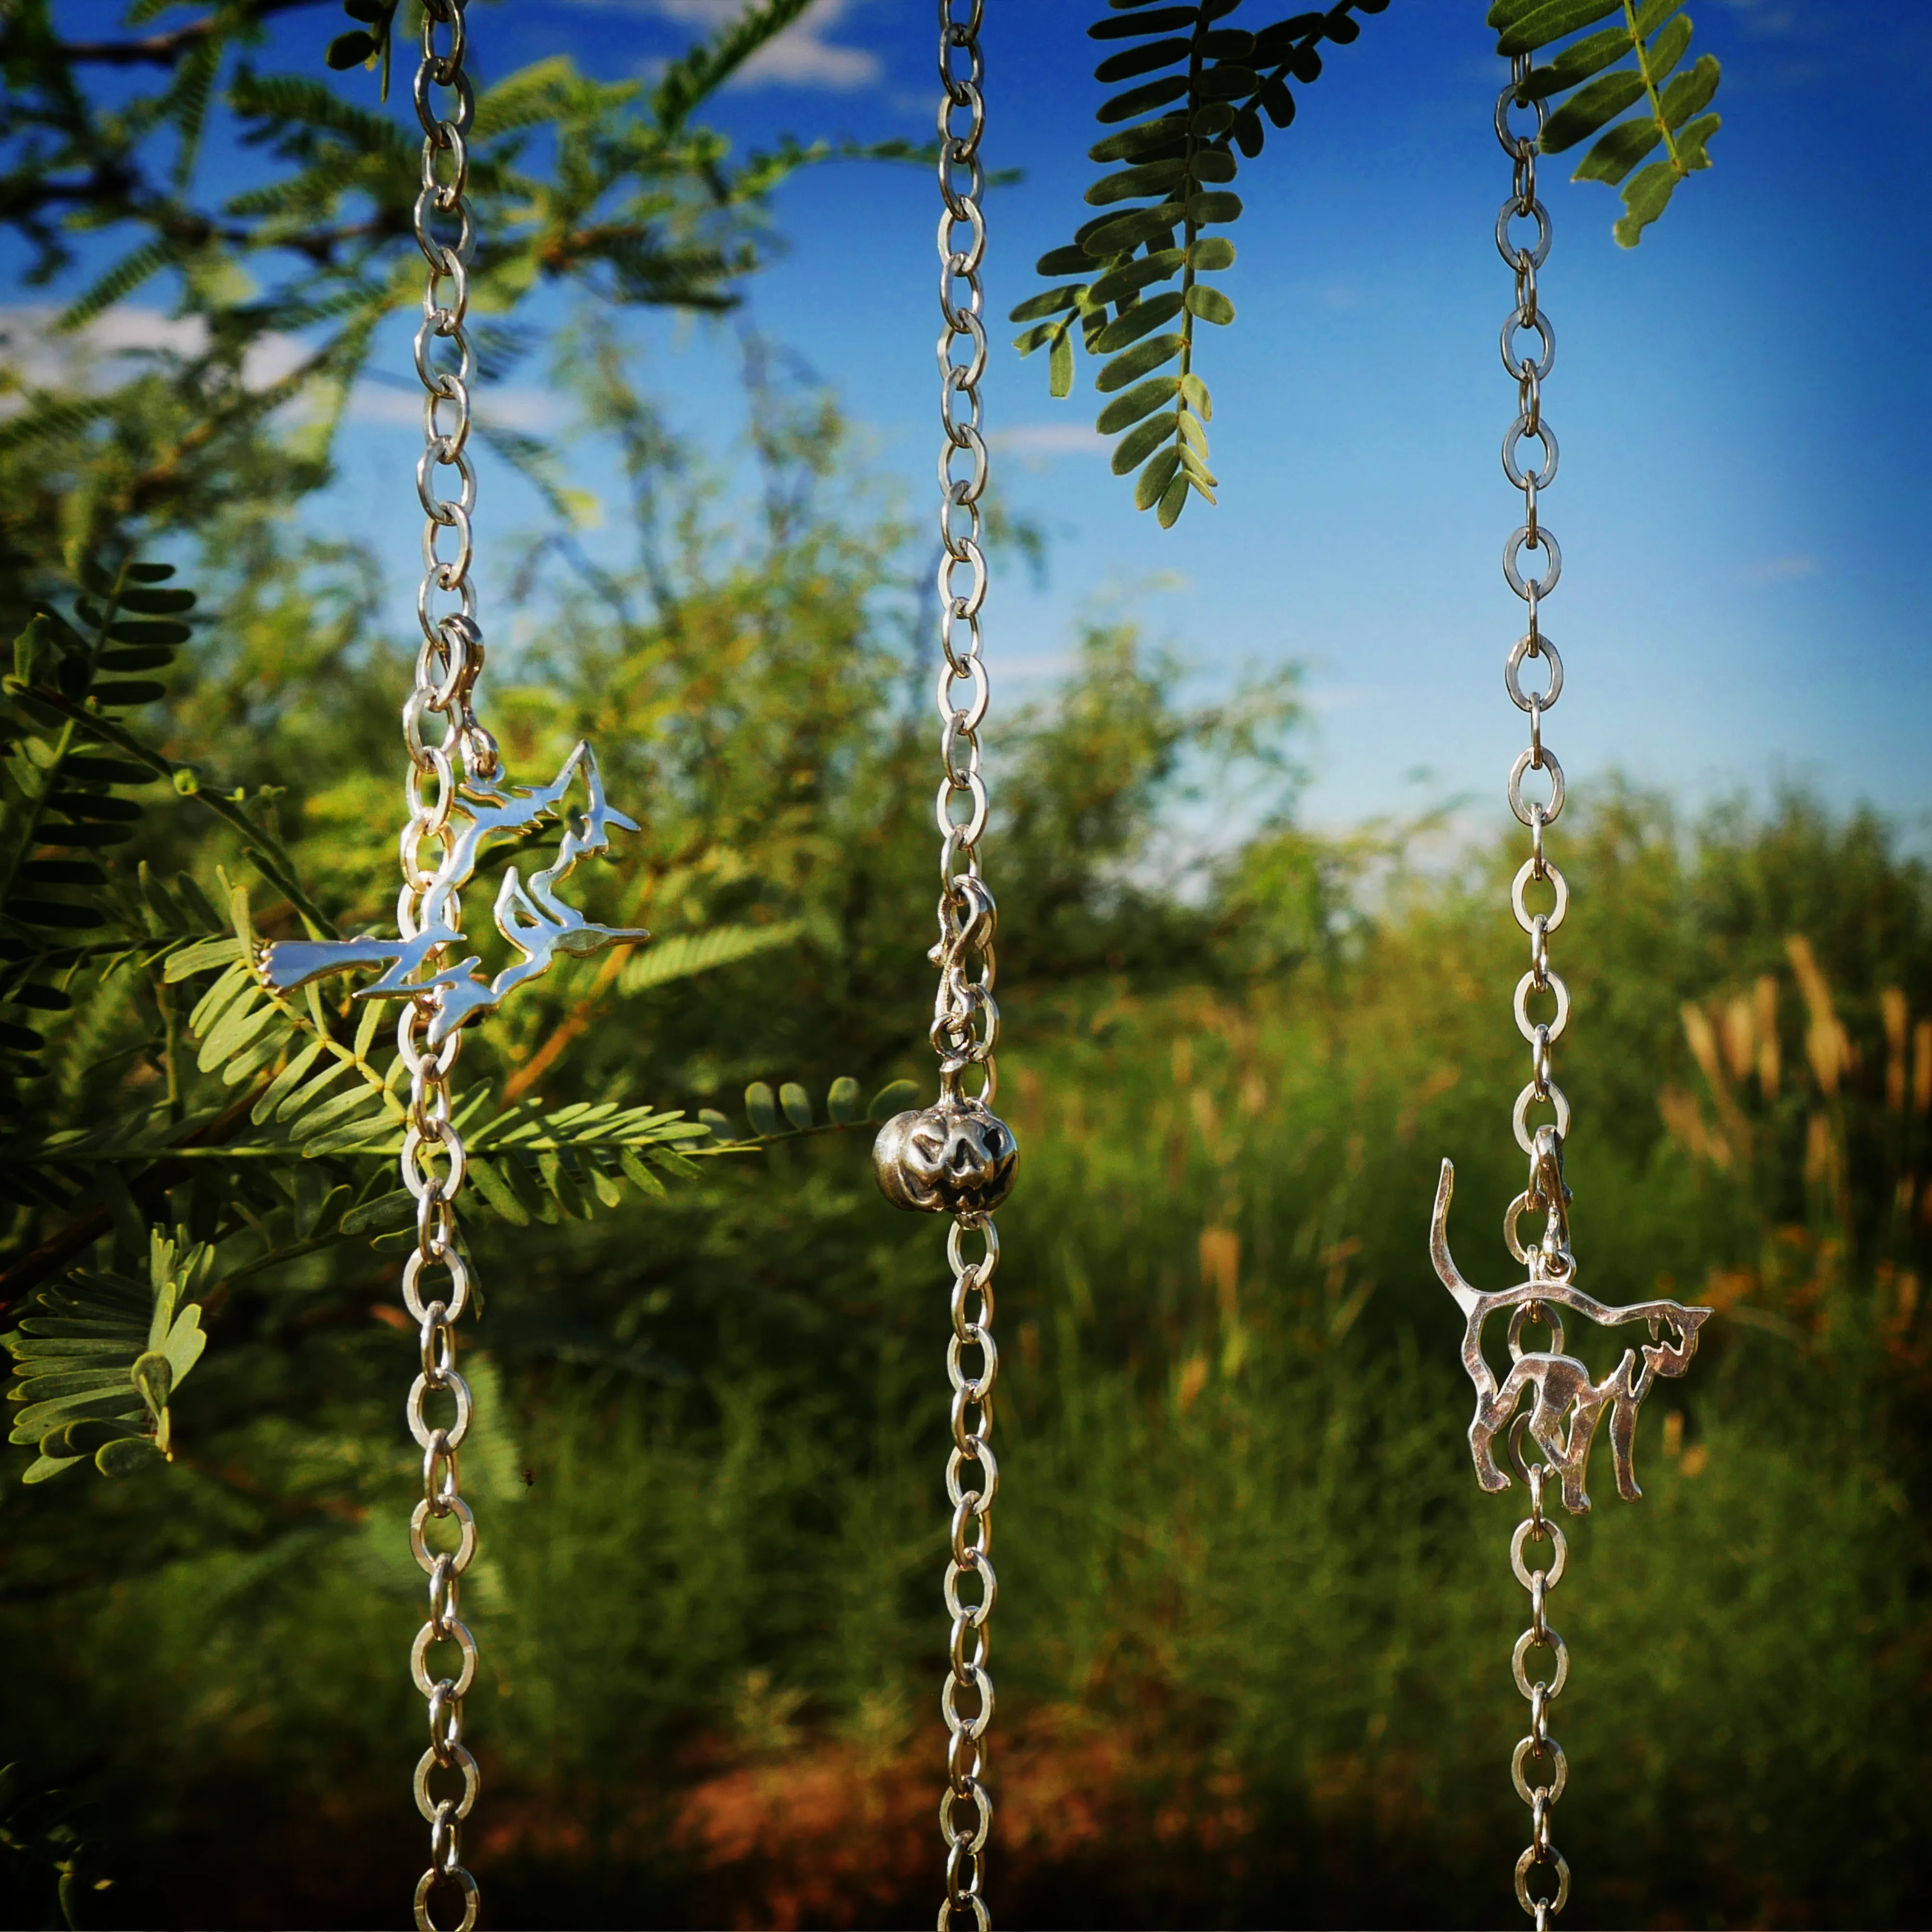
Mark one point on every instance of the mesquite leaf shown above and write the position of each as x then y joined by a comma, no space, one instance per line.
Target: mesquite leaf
1630,64
1134,323
1149,59
1138,99
1136,362
1154,20
1177,157
1536,26
1591,108
1155,178
1140,401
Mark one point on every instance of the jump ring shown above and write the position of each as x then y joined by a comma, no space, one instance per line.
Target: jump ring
1559,1559
1559,1777
1546,543
1554,1643
1513,667
471,1896
1519,1116
1525,762
1553,1906
1527,1027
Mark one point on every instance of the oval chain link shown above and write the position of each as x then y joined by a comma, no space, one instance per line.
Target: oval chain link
1538,1769
1527,318
966,1019
1537,1757
447,664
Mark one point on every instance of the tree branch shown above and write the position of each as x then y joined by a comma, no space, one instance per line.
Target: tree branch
54,1253
158,49
574,1022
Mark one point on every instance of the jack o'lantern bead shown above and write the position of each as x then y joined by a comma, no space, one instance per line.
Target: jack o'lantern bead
953,1158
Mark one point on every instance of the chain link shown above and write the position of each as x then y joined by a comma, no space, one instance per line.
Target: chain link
1539,1749
1524,258
447,665
966,1019
966,1809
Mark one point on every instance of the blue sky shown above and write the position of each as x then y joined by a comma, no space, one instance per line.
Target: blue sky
1742,402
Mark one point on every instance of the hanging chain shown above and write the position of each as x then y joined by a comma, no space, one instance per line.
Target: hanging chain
961,180
966,1021
1554,1767
1546,1191
447,667
966,1811
1538,816
957,1157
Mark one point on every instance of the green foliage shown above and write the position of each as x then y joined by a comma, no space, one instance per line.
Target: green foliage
309,1096
1255,1611
96,1361
1138,291
1631,64
272,1139
1288,1633
65,805
700,72
40,1838
371,43
1221,87
708,1453
690,952
615,187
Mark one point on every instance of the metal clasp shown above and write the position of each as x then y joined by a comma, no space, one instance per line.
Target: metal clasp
1551,1260
968,919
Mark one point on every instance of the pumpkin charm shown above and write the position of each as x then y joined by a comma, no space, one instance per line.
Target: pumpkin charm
952,1158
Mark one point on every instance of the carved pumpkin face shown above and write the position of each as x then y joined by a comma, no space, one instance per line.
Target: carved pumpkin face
953,1158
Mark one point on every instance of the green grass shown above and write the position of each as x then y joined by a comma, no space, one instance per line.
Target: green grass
1255,1618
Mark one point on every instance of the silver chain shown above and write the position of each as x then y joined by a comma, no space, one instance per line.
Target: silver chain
1538,816
966,1811
1554,1767
1552,1260
966,1021
447,665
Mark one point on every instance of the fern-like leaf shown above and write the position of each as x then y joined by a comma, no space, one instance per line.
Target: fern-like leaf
531,96
1635,63
706,67
118,284
688,953
98,1358
1203,93
56,832
54,422
286,100
188,101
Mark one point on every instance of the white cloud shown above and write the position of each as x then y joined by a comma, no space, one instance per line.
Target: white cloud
1049,438
536,412
104,353
801,56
